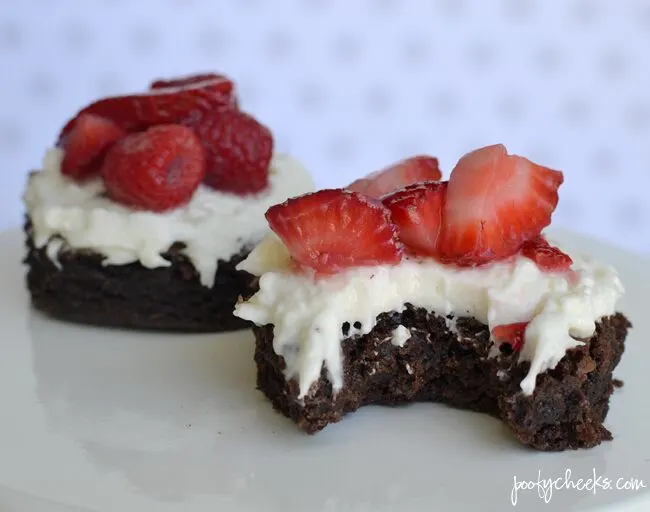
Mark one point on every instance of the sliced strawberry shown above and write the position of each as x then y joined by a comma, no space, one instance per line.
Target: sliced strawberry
161,106
184,81
238,151
495,202
417,212
156,170
547,257
331,230
513,334
86,145
397,176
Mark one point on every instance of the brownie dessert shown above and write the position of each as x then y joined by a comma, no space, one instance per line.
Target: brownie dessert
404,287
142,211
79,288
437,364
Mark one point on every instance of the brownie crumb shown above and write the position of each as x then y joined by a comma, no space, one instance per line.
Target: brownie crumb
618,383
566,410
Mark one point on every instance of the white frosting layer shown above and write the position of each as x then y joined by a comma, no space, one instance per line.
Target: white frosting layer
213,225
307,314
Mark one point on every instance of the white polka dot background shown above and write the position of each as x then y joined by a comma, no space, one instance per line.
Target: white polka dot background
351,86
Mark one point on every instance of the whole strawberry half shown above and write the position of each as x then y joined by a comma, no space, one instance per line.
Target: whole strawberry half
86,145
238,151
547,257
417,212
161,106
332,230
156,170
401,174
495,202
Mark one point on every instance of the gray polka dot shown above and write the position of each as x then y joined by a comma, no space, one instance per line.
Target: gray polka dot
11,36
583,12
628,214
385,5
249,91
282,142
340,148
444,104
637,117
480,55
378,101
144,40
346,48
603,163
452,9
518,9
570,209
643,16
310,97
278,45
540,154
43,88
548,59
415,51
613,63
13,138
211,40
314,4
107,85
510,108
410,146
576,111
77,37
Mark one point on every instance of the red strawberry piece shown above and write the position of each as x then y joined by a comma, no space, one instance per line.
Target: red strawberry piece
495,202
331,230
161,106
86,145
156,170
547,257
513,334
417,212
184,81
188,80
401,174
238,151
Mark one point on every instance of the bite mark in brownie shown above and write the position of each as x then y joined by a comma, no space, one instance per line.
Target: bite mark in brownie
438,364
171,298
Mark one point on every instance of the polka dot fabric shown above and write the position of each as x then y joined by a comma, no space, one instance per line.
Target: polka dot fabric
351,86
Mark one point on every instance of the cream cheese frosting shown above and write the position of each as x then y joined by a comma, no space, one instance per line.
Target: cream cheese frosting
213,225
308,313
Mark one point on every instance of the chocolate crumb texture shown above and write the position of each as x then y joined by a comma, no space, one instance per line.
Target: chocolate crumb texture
82,290
436,364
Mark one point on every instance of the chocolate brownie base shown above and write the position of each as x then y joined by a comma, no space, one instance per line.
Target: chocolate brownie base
169,298
439,364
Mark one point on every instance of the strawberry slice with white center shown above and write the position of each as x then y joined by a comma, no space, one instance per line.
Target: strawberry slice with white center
399,175
417,212
331,230
495,202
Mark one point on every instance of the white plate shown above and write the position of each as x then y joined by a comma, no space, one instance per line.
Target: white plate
98,419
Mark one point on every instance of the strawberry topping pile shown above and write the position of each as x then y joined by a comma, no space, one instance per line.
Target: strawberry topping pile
154,149
494,206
